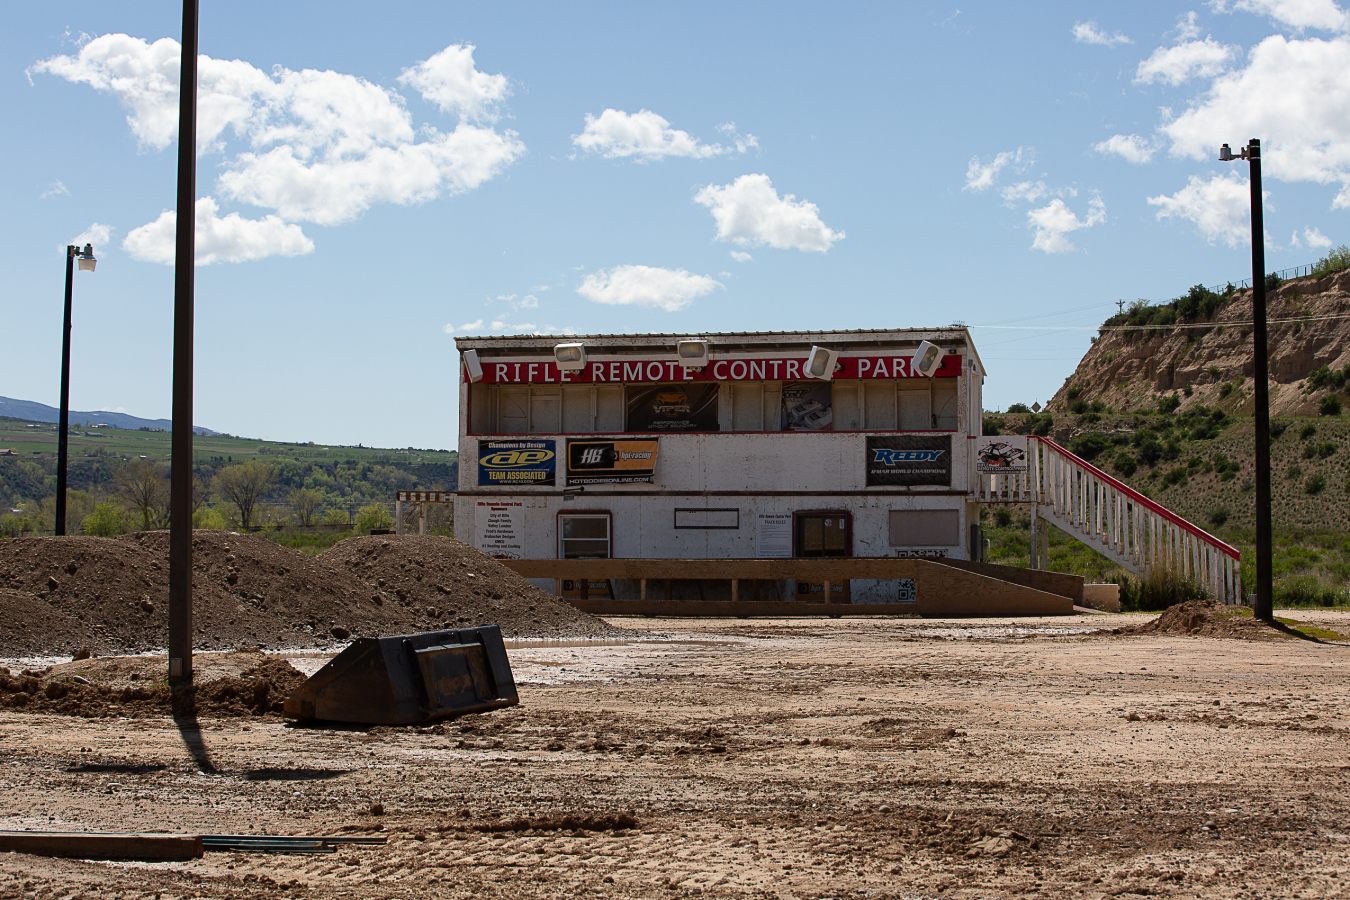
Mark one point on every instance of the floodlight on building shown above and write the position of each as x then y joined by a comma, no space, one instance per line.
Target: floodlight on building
570,357
473,365
820,363
927,359
692,353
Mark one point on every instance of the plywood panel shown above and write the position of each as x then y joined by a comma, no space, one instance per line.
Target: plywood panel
945,406
577,406
879,405
747,407
545,411
915,414
609,408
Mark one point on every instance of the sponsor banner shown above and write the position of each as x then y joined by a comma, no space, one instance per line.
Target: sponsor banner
806,406
611,462
516,463
782,368
909,459
500,528
1001,455
773,535
673,407
425,496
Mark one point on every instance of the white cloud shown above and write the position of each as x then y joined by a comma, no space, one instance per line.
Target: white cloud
1218,206
320,146
1131,148
644,134
1030,192
1300,14
1178,64
529,301
55,189
1316,239
95,234
1293,93
1089,33
1188,26
231,238
742,142
668,289
452,328
450,80
749,212
981,176
741,256
1055,220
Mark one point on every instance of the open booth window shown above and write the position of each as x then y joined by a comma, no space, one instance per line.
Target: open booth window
584,535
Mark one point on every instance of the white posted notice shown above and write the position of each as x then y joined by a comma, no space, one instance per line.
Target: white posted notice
501,528
773,535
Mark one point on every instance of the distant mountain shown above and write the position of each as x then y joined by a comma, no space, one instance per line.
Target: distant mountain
40,412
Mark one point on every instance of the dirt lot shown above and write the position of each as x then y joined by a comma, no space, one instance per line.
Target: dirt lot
811,758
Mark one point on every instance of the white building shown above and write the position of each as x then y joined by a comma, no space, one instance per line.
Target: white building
636,449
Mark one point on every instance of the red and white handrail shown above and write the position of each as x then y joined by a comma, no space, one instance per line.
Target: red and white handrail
1113,518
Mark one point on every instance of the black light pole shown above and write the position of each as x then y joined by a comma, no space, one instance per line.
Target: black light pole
1264,608
87,261
180,485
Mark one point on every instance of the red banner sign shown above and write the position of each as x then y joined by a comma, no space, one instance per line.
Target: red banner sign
653,371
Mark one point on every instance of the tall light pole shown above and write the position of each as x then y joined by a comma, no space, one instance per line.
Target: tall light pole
87,263
1264,608
180,484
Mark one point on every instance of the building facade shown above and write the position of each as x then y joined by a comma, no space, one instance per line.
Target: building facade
625,449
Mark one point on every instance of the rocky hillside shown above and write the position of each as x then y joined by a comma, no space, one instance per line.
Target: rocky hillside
1211,365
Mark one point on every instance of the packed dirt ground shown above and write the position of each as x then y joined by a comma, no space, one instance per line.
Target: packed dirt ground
880,758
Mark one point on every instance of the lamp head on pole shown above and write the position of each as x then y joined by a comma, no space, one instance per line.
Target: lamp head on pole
86,258
1226,154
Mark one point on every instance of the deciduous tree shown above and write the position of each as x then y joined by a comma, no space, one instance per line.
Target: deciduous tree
304,501
145,487
242,485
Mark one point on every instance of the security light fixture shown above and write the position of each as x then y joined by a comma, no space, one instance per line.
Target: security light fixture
692,353
86,258
473,365
927,359
570,357
820,363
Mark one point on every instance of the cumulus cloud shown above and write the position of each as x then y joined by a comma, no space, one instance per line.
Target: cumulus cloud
500,326
1187,60
319,146
96,234
1324,15
1219,206
1316,239
1188,26
1293,92
749,212
1054,221
741,256
1089,33
668,289
55,189
230,238
1031,191
647,136
981,176
1129,147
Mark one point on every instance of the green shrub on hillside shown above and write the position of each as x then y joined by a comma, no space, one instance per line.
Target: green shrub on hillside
1324,377
1089,446
1168,404
1330,405
1307,431
1335,261
1019,408
1125,464
1315,484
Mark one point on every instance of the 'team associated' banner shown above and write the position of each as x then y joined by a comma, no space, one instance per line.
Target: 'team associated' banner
656,371
611,462
909,459
516,463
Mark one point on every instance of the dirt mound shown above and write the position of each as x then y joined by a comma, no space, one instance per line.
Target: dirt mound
33,624
133,687
446,583
1203,617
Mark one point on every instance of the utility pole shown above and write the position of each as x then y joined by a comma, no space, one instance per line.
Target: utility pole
1264,607
180,486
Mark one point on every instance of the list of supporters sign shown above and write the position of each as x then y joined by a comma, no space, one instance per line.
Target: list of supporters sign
500,528
745,369
516,463
909,459
611,462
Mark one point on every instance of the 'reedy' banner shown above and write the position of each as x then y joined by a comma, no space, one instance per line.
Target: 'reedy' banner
909,459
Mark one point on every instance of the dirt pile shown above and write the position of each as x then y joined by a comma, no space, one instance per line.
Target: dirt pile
446,583
133,687
61,594
1206,618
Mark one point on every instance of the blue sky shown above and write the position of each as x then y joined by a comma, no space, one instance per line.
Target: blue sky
375,181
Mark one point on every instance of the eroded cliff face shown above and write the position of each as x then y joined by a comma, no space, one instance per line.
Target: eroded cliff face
1132,369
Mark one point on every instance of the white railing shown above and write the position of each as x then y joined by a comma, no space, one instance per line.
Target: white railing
1112,518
